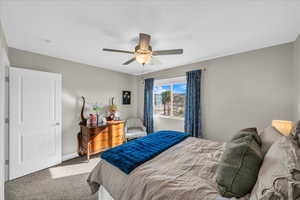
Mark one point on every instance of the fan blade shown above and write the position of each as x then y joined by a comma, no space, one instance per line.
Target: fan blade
144,41
167,52
129,61
118,51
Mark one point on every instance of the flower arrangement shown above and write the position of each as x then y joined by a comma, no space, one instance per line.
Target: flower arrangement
113,107
97,108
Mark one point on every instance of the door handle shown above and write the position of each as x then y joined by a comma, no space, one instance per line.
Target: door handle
57,124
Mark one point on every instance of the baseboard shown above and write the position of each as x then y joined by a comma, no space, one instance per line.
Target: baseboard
69,156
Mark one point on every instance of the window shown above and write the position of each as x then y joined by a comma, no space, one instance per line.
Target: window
169,97
162,100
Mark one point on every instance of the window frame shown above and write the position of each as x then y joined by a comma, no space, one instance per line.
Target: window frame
171,82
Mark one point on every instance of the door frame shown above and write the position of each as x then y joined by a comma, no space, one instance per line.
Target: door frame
3,114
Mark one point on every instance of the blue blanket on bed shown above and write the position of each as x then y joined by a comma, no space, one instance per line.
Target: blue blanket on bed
130,155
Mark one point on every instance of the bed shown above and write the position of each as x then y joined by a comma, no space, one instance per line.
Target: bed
184,171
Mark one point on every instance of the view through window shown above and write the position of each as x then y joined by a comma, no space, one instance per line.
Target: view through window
169,99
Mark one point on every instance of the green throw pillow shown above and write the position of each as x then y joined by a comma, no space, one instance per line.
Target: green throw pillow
240,163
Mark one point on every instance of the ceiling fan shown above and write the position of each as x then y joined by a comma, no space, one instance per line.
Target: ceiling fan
143,51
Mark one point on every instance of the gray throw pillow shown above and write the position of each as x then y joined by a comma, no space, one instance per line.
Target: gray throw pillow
240,163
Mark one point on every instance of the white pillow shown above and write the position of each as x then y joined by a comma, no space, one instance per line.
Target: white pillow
268,136
280,167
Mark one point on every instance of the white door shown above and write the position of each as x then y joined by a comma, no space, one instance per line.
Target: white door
34,121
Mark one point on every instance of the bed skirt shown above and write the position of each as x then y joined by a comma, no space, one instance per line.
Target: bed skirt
103,194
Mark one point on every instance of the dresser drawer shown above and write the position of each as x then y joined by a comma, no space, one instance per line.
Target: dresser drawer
118,139
103,136
100,136
117,143
116,131
89,133
97,146
95,130
99,132
97,139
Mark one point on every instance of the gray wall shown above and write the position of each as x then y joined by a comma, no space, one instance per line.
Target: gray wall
238,91
3,42
96,84
297,78
243,90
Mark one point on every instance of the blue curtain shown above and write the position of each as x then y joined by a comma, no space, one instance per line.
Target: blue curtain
148,105
192,120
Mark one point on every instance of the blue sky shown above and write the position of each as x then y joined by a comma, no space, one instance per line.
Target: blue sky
177,88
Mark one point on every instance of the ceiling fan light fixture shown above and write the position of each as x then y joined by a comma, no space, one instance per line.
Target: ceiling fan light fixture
143,58
143,51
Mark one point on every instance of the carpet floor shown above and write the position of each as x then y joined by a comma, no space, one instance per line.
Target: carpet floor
66,181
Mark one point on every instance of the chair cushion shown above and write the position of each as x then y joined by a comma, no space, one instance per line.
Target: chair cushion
239,165
135,132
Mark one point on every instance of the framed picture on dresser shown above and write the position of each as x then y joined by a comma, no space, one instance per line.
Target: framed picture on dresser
126,97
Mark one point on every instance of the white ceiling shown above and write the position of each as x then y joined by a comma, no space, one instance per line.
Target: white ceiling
78,30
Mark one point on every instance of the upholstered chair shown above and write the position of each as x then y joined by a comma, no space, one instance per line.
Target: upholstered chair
134,128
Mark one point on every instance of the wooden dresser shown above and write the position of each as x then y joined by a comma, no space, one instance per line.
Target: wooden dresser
92,140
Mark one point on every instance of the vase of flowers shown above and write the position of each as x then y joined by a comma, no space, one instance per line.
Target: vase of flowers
113,108
97,109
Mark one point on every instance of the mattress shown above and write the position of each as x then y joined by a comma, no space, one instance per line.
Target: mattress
184,171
